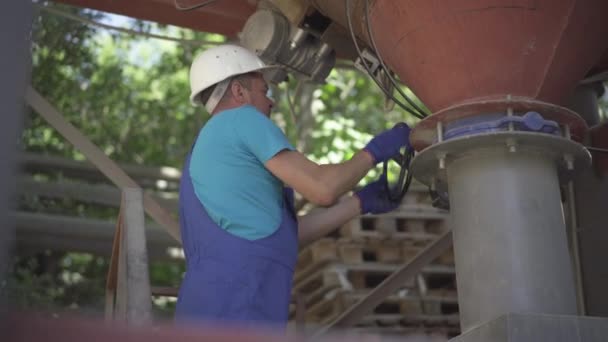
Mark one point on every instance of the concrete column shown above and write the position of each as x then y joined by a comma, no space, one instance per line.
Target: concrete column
509,236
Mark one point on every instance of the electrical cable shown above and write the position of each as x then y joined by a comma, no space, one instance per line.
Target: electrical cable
397,193
403,184
354,38
386,69
292,110
190,8
369,71
70,16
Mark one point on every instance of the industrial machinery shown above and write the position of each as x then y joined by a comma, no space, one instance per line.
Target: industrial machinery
503,141
493,73
278,42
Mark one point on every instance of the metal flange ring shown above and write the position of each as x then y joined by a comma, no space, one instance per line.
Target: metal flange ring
429,166
425,132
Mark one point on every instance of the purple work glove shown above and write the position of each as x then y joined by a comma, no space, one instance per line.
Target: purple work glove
387,144
374,197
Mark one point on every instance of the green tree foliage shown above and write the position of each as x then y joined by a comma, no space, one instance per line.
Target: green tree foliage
128,94
52,280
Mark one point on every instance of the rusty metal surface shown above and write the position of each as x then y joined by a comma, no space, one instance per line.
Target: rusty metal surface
425,132
449,52
225,17
601,66
335,10
415,28
294,10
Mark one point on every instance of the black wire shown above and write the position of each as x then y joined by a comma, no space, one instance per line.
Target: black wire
397,193
202,4
386,70
352,33
439,199
408,180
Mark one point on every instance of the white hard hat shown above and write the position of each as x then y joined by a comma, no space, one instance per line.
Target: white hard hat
218,64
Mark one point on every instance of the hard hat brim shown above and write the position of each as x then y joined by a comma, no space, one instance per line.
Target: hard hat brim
194,98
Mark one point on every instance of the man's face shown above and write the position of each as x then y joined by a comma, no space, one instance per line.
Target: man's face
257,94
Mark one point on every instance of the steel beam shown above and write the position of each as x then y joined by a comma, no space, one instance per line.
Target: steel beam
15,26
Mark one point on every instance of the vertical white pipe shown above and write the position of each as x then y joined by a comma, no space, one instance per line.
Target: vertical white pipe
509,236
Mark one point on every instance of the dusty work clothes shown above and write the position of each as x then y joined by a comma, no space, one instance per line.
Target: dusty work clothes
229,176
230,279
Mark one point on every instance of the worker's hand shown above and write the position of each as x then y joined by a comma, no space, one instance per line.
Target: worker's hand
387,144
373,198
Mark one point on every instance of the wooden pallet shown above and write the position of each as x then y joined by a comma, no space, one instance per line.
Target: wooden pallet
364,276
423,228
346,251
420,196
318,285
334,273
314,257
357,252
403,320
338,301
391,320
446,258
386,251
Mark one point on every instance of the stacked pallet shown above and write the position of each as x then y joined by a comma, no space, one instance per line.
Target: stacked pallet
335,272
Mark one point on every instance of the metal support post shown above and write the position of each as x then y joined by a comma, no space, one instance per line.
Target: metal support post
510,243
15,26
128,294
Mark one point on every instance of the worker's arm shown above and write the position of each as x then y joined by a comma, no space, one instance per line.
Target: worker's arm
324,184
320,184
322,221
373,198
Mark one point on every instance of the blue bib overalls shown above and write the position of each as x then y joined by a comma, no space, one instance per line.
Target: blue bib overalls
230,279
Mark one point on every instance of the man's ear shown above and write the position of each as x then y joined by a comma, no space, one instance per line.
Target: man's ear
237,92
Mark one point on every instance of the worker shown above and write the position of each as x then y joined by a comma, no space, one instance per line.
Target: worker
239,228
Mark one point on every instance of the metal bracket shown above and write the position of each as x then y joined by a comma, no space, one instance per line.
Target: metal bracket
370,59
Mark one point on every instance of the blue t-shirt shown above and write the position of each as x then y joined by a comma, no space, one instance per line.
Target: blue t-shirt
229,176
